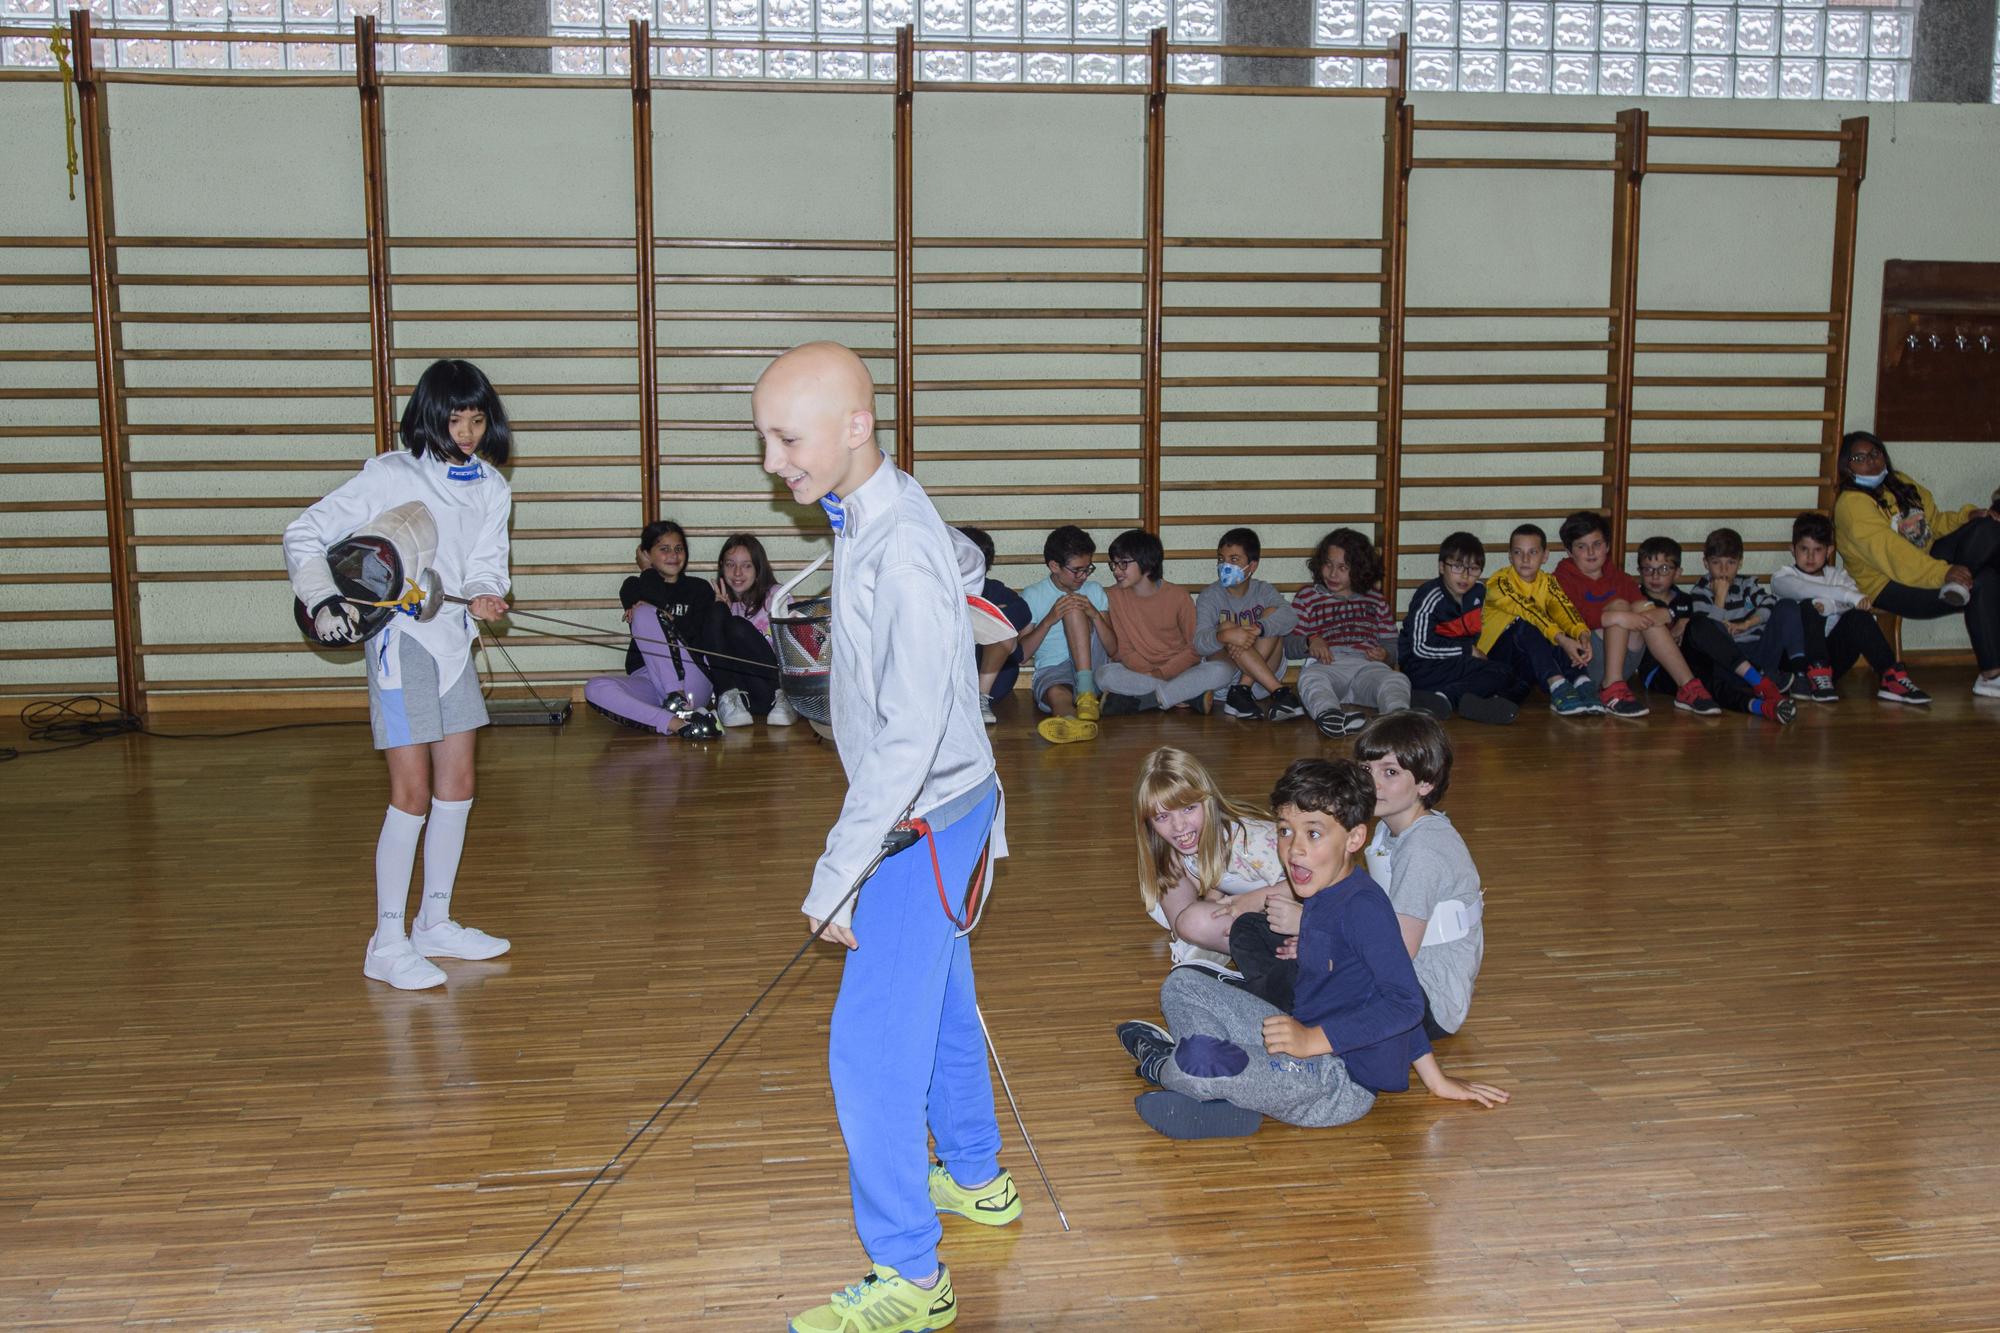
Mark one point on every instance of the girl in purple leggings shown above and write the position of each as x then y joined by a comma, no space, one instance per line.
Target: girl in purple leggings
664,689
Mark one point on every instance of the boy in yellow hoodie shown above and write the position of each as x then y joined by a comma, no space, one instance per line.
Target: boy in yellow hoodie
1529,623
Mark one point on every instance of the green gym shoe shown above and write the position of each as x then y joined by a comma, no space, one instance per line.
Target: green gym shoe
994,1204
883,1302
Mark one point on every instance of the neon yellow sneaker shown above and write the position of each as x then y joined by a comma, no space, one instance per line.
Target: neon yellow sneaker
994,1204
883,1302
1066,730
1090,707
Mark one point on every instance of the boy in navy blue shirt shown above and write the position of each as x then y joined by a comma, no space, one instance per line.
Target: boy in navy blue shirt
1227,1059
1435,647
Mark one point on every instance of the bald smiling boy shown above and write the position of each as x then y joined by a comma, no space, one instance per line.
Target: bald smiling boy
906,1051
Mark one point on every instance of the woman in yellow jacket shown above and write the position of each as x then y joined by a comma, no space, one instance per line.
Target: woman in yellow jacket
1913,560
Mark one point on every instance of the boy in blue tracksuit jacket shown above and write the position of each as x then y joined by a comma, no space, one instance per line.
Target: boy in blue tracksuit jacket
1435,647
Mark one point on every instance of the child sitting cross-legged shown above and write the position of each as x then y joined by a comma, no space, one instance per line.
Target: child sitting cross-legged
1226,1059
1834,614
1528,622
1705,645
1417,856
1156,665
1344,622
1623,621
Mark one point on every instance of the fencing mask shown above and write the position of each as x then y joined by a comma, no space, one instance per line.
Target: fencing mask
380,562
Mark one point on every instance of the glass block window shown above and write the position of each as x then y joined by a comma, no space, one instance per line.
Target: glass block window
1058,23
408,20
1832,50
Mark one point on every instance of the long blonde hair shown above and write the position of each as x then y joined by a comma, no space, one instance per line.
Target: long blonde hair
1171,779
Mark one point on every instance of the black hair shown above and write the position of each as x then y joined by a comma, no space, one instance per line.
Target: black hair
1419,745
1364,562
765,578
1461,547
1812,526
1337,787
649,536
1246,538
1580,525
1142,548
982,539
1655,547
1895,487
445,388
1529,530
1066,543
1722,544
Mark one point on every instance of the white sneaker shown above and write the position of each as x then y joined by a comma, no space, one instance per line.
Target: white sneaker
1986,688
733,709
401,966
448,939
986,711
781,714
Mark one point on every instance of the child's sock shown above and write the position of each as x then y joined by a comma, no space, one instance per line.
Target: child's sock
1086,681
395,855
1751,675
926,1282
443,846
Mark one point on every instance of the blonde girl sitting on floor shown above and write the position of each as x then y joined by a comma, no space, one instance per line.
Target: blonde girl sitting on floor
1204,860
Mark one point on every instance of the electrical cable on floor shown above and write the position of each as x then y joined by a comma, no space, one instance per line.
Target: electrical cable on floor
85,719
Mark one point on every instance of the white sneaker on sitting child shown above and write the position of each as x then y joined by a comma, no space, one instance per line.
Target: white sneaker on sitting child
781,714
733,709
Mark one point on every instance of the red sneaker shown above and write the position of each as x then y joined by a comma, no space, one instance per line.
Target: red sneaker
1694,697
1897,687
1619,701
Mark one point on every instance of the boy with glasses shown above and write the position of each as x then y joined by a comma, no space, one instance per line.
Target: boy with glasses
1071,638
1705,645
1435,646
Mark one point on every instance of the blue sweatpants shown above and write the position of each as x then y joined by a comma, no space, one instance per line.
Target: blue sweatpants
907,1051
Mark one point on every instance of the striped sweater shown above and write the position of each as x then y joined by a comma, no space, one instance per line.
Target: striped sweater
1745,599
1343,620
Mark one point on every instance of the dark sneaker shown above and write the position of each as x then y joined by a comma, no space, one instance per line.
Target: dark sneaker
1566,701
1200,704
1619,701
1124,705
1798,685
1491,709
1586,690
1824,691
1332,723
1149,1045
1283,705
1430,701
1694,697
1179,1116
1240,702
1897,687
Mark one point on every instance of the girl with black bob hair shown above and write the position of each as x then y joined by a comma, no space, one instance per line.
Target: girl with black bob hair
424,704
1912,559
445,390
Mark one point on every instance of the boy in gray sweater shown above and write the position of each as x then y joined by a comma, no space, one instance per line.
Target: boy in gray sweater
1242,620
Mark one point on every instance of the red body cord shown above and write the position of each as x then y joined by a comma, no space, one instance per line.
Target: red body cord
937,873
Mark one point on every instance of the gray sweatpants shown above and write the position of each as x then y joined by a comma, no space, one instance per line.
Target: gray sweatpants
1352,680
1196,681
1314,1093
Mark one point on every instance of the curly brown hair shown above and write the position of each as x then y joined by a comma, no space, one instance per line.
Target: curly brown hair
1364,562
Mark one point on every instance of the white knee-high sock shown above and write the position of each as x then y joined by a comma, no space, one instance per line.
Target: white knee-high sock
442,847
395,856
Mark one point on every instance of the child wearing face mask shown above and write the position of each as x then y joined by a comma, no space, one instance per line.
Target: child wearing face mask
1242,620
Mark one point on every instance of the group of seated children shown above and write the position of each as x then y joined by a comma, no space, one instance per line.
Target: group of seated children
1304,985
695,642
1586,633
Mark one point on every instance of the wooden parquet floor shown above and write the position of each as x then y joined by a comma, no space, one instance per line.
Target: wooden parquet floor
1743,983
